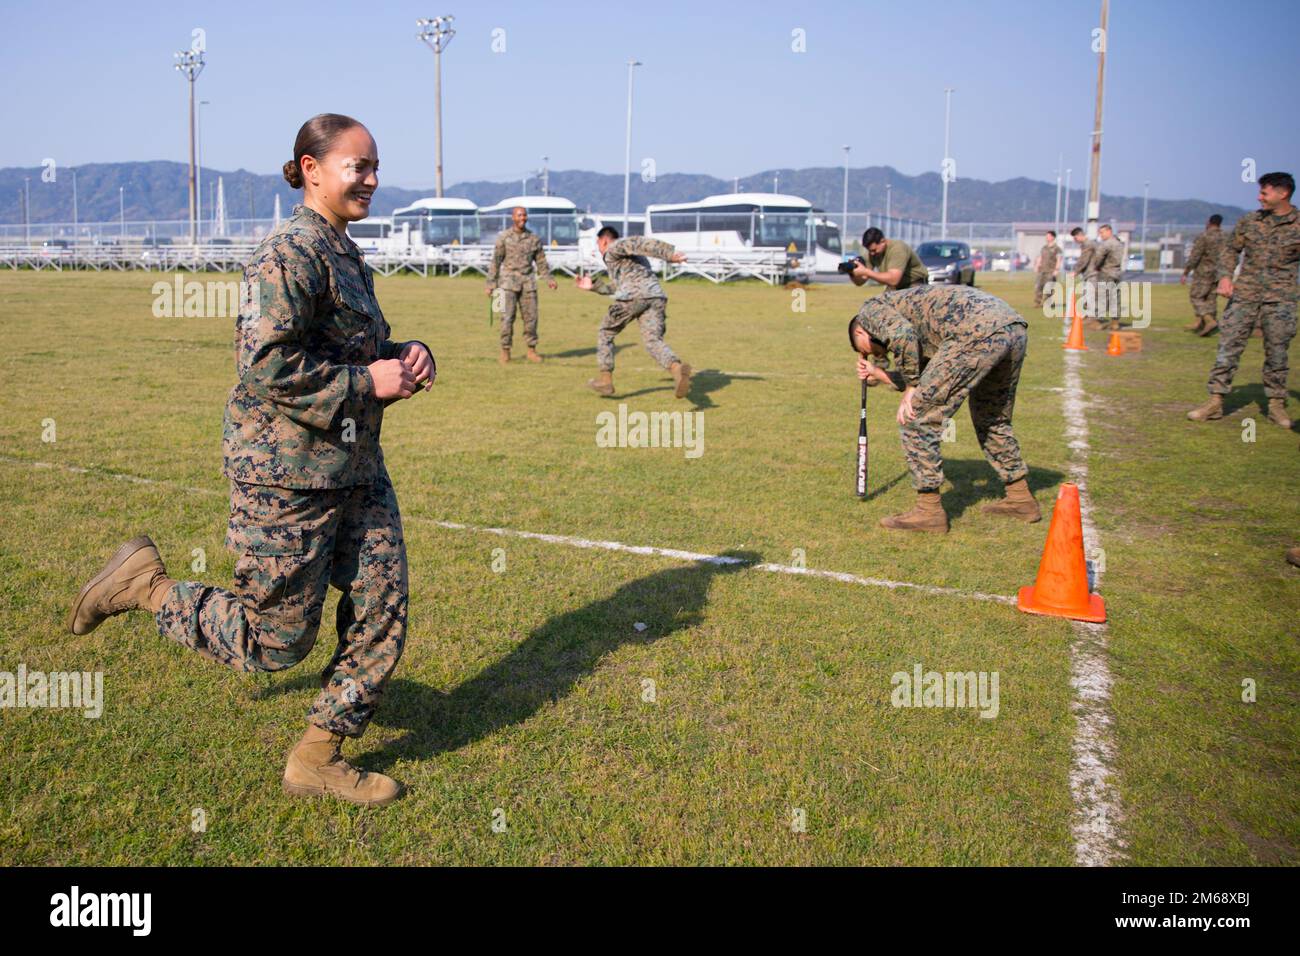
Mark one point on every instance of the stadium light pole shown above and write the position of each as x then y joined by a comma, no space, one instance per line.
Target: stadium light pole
436,32
627,150
947,115
198,170
74,203
1094,166
546,176
1146,191
1056,221
1065,218
889,201
27,207
121,209
844,213
190,64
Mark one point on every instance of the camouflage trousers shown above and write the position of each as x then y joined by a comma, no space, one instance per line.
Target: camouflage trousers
1278,322
988,372
1205,301
1041,281
526,302
650,314
292,544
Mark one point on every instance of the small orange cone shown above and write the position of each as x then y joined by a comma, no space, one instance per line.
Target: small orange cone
1061,588
1115,346
1075,341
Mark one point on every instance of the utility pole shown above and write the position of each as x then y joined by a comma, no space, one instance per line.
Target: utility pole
1094,171
627,153
947,162
844,213
546,176
1146,190
74,204
1056,220
190,63
436,32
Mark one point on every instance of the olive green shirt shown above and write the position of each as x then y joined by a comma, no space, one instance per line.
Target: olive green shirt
899,255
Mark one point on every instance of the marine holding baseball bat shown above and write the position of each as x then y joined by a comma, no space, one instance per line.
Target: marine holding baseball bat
947,343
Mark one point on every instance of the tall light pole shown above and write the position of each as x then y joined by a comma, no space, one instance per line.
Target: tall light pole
844,213
27,206
1094,168
121,209
1065,218
889,201
1056,220
74,203
627,152
1146,190
546,176
776,182
190,64
436,32
198,173
947,162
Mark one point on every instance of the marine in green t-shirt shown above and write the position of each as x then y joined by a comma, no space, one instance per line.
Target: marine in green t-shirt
891,262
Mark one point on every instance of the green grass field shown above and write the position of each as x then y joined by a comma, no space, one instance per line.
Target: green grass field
521,690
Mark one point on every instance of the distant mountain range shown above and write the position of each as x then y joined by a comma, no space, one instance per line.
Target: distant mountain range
157,190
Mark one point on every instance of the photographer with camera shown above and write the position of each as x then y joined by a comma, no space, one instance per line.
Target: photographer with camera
891,262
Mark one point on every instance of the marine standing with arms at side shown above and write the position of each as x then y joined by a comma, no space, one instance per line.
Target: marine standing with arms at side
518,259
310,500
1048,262
1203,266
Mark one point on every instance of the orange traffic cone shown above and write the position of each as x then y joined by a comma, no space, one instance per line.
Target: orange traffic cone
1115,345
1075,341
1061,588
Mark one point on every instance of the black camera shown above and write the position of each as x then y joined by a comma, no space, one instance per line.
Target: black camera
847,267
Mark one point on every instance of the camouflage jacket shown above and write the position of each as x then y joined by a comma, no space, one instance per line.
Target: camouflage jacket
913,323
630,275
513,258
1087,256
1051,258
1206,252
304,412
1108,260
1271,244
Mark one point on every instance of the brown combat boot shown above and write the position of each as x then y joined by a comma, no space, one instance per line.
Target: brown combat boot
133,578
1196,326
1211,411
1019,503
926,515
1277,412
316,768
1293,556
1211,326
682,376
532,355
504,357
602,384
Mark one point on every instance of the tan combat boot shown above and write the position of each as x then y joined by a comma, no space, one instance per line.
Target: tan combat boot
1293,556
316,768
682,376
1018,503
504,357
133,578
1211,411
1211,326
926,515
1277,412
602,384
532,355
1196,326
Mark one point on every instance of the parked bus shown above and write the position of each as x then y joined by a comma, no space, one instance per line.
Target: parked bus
372,233
737,221
439,222
553,218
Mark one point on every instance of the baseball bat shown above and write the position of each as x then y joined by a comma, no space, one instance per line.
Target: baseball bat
862,445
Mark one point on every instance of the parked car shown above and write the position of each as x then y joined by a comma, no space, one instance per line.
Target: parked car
1002,262
947,261
1136,262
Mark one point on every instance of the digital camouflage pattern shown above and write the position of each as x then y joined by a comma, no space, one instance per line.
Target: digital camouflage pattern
1277,320
630,275
953,342
518,260
1203,266
303,413
292,544
650,314
899,255
1269,246
1108,260
1086,267
525,301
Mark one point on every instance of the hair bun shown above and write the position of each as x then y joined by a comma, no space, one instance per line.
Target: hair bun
292,174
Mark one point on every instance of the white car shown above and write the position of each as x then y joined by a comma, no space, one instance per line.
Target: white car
1002,262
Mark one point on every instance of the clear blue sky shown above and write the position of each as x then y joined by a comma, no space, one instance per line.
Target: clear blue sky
721,91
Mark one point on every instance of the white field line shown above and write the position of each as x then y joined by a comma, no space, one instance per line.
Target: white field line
1096,798
727,559
573,542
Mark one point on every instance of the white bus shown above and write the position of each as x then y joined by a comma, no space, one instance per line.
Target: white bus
553,218
737,221
439,222
372,234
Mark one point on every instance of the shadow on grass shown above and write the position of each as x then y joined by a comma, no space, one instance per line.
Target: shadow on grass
703,382
579,353
973,479
1243,396
546,665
